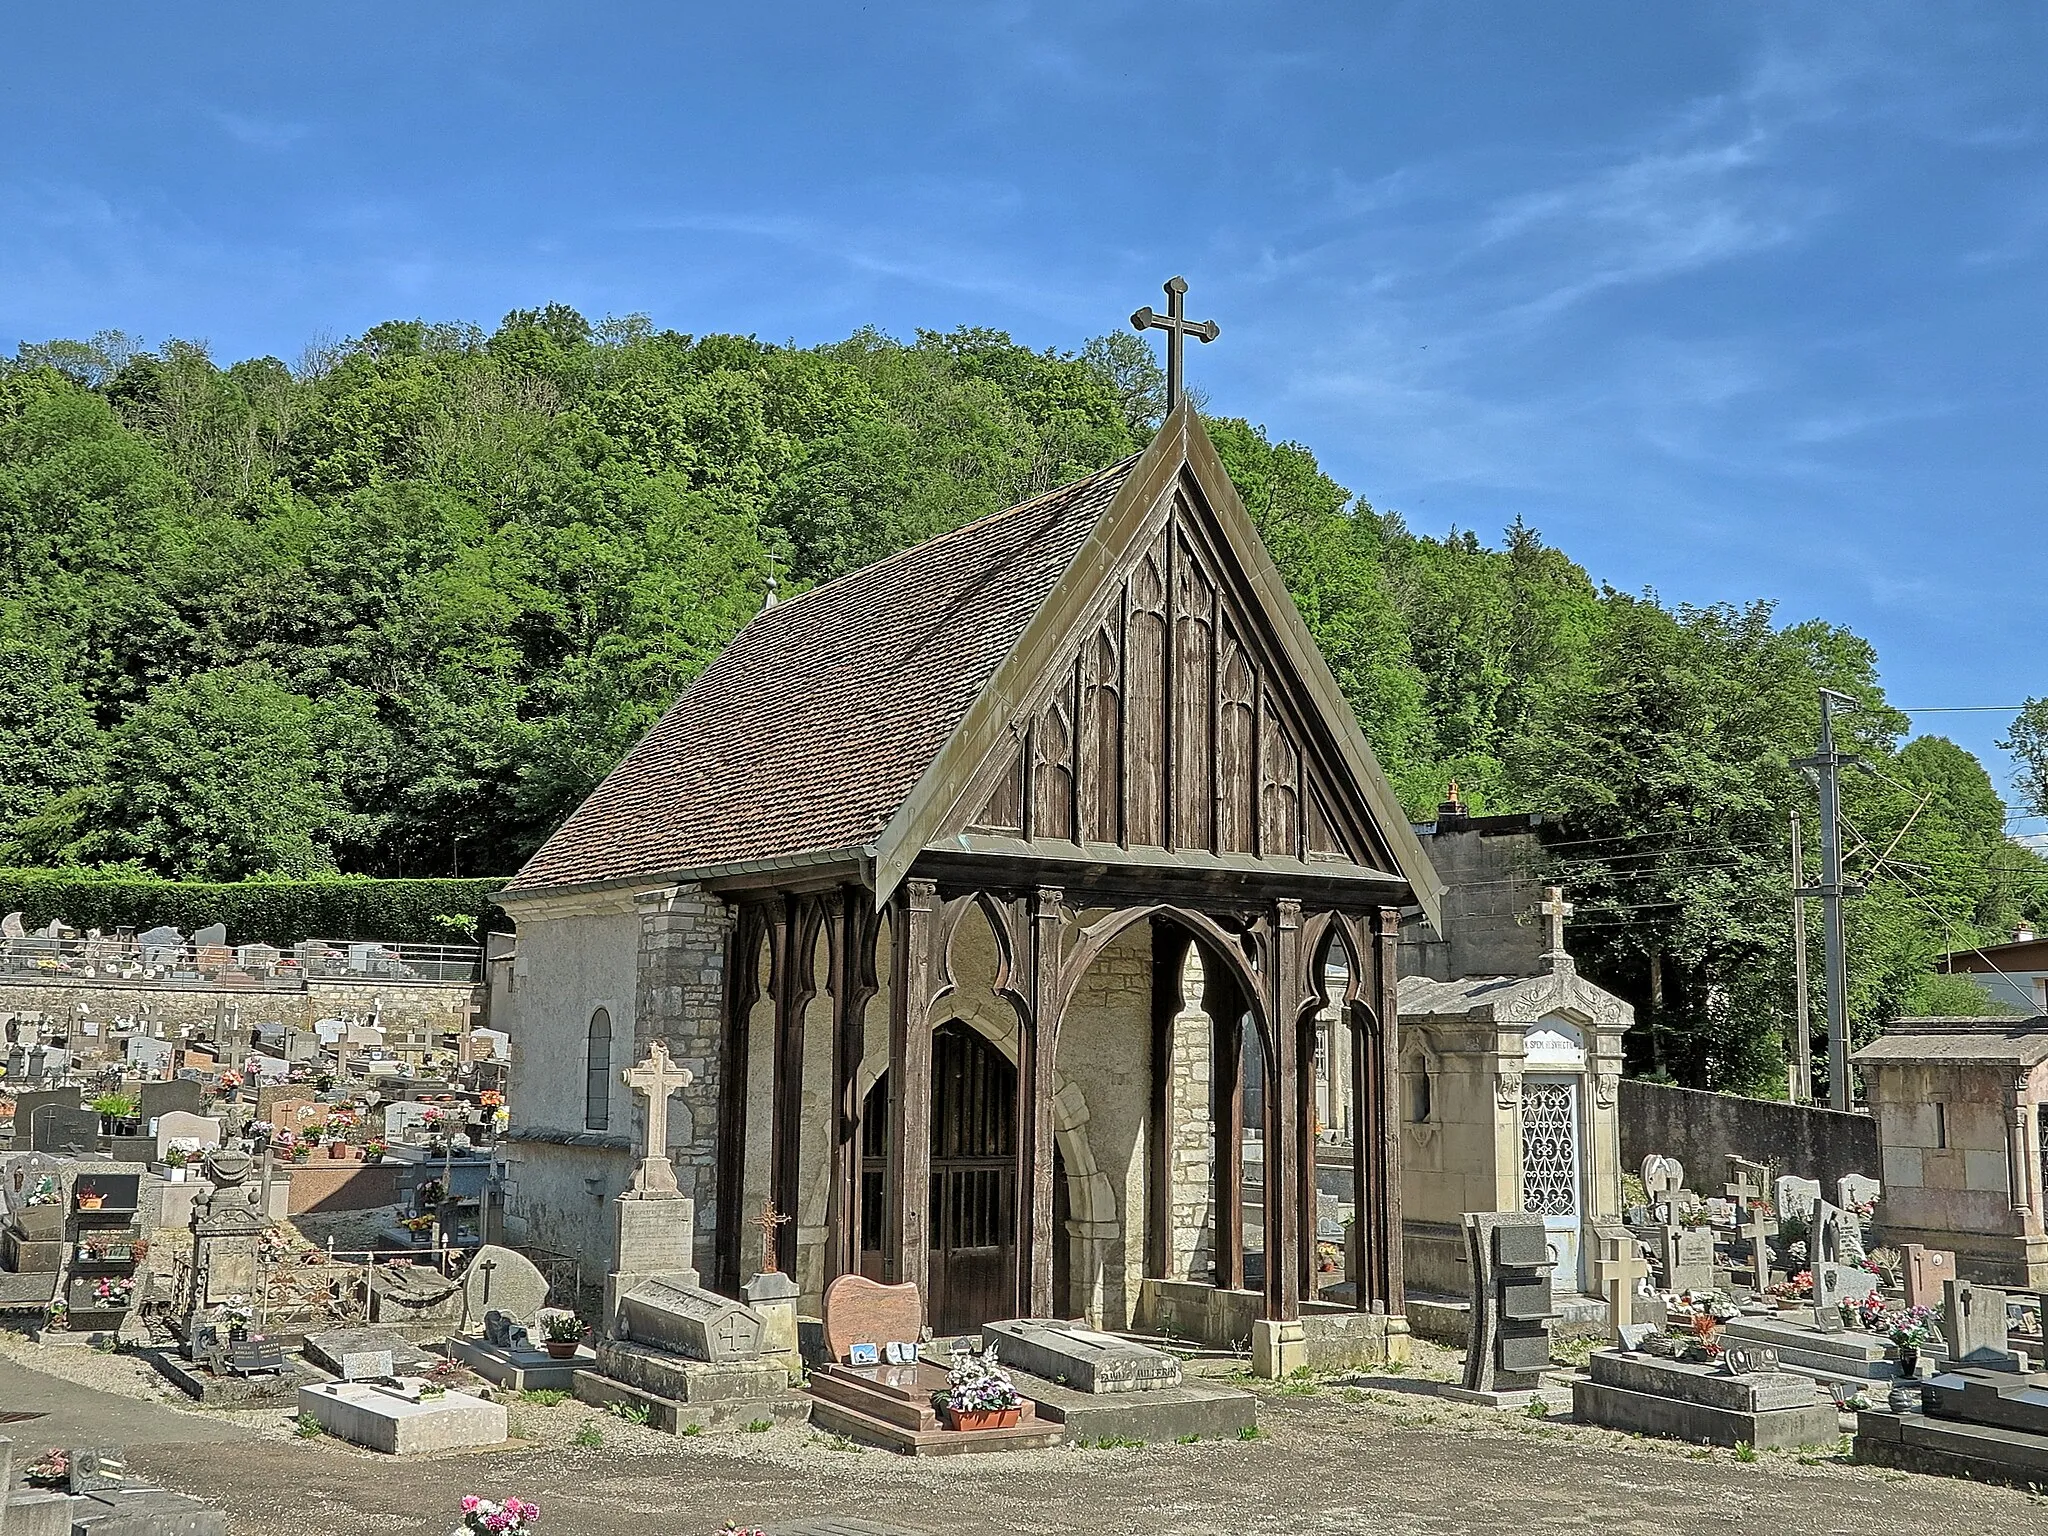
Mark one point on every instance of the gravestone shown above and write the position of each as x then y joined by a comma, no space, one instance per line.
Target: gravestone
773,1296
1796,1197
405,1123
213,936
1753,1222
500,1279
654,1224
1833,1247
228,1224
1853,1189
1078,1357
399,1419
1689,1261
193,1131
1975,1326
179,1093
1618,1268
69,1129
1927,1274
1509,1348
366,1365
683,1320
858,1310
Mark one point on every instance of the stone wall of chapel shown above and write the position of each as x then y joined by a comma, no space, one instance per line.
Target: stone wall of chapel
1194,1145
1105,1052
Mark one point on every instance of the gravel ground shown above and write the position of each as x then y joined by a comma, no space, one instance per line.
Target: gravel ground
1370,1454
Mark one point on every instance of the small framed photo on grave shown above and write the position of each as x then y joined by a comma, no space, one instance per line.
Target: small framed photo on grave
901,1353
863,1354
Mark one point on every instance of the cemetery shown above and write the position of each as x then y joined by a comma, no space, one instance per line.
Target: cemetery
1103,1064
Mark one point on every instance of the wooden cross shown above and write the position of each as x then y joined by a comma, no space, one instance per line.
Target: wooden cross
1617,1270
656,1077
1557,909
769,1219
1177,327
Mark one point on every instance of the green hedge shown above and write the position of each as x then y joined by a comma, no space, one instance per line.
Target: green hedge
278,912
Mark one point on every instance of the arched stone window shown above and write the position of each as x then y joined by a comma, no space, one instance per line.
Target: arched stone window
597,1063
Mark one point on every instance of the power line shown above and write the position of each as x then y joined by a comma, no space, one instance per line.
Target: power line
1959,709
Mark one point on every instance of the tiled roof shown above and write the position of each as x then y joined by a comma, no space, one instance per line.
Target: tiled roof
813,726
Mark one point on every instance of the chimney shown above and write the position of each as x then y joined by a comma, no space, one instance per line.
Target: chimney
1451,815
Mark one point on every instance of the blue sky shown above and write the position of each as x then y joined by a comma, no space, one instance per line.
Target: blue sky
1730,300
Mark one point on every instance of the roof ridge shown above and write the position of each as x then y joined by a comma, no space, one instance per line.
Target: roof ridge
1070,488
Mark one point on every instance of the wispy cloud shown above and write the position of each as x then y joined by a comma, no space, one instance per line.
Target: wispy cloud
266,133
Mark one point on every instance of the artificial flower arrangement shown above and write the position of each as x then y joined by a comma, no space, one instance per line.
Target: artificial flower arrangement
59,1313
373,1150
44,1193
979,1393
1702,1347
235,1312
1798,1288
48,1471
734,1528
417,1224
481,1517
112,1290
89,1198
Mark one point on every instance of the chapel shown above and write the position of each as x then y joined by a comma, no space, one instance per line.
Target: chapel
979,891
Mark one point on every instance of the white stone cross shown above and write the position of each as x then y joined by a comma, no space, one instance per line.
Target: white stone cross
1557,909
1618,1270
656,1077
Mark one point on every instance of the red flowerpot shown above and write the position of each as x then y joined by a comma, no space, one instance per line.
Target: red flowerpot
988,1418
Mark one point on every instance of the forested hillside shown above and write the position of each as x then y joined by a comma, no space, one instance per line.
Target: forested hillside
394,608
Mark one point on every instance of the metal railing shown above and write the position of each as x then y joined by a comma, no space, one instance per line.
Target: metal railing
123,959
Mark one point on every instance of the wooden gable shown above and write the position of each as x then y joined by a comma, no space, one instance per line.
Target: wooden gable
1168,699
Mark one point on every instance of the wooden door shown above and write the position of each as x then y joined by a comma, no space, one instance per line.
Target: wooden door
974,1181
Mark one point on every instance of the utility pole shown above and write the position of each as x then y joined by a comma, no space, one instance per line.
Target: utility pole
1802,1008
1827,767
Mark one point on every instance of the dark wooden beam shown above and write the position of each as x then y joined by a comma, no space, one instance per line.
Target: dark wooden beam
907,1252
1225,1007
1387,1107
1283,1128
742,987
1037,1049
1169,959
798,920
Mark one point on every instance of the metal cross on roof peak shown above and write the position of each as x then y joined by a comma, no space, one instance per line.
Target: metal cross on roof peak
1177,327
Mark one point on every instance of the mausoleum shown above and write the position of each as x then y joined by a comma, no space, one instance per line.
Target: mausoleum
912,880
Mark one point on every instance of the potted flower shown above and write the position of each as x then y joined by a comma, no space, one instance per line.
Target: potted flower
117,1112
236,1315
302,1152
979,1394
481,1517
564,1333
373,1151
59,1314
89,1198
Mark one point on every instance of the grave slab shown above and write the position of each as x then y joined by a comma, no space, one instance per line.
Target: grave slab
890,1406
673,1416
1642,1395
399,1421
1805,1349
1157,1416
521,1370
1080,1358
328,1347
1985,1453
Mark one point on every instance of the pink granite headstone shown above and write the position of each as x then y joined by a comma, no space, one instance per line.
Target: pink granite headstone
862,1311
1927,1271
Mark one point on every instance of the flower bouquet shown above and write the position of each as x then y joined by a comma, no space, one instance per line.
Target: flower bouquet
481,1517
49,1471
979,1394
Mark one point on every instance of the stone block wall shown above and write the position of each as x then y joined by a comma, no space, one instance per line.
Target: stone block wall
679,998
1194,1144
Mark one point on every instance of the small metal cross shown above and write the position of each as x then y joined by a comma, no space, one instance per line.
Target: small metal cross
769,1219
1177,327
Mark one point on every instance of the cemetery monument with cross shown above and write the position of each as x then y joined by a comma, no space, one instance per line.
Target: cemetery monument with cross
908,870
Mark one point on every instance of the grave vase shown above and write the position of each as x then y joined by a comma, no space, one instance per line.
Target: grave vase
986,1418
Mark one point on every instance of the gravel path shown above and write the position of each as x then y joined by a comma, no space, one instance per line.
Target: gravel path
1386,1457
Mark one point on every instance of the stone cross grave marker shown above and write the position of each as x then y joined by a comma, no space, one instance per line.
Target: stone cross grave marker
1745,1187
656,1078
1555,910
1976,1326
1617,1270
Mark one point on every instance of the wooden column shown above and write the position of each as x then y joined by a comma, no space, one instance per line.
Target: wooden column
1307,1187
851,981
1221,1001
742,961
795,986
907,1246
1385,1134
1283,1119
1169,961
1038,938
